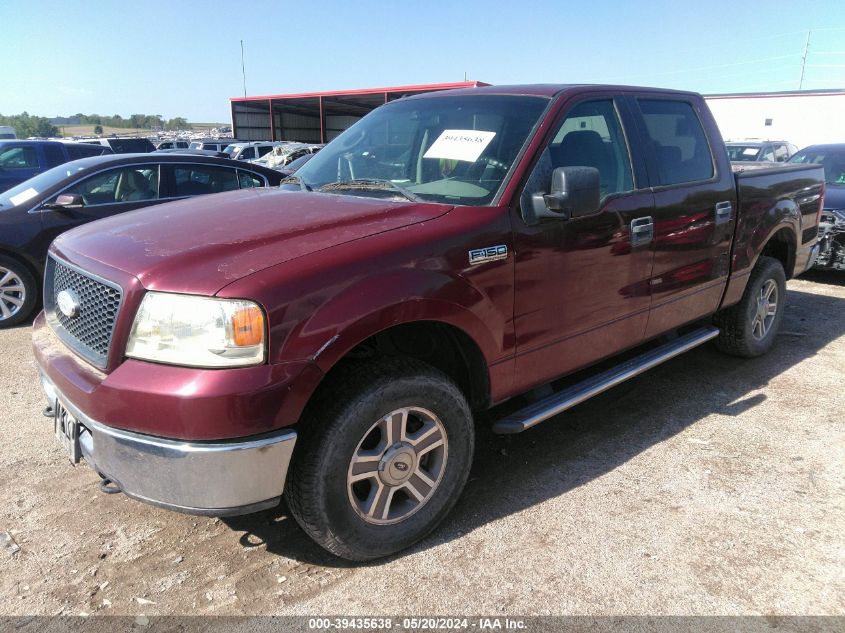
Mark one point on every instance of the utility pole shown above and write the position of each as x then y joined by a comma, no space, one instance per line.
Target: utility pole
243,68
804,61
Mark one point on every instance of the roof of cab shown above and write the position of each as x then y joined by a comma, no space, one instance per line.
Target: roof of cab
544,90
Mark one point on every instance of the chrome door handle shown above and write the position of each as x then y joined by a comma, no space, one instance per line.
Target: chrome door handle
642,231
724,211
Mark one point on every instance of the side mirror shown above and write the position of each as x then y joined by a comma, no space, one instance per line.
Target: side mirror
66,201
575,192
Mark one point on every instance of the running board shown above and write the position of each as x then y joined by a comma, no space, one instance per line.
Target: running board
566,399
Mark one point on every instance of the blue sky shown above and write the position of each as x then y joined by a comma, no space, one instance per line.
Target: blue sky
182,57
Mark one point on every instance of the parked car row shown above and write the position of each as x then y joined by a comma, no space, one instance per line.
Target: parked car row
34,212
20,159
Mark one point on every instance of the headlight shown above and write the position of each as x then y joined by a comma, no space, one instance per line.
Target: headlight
197,331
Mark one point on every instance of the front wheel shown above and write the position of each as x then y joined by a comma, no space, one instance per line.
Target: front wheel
749,328
384,456
18,292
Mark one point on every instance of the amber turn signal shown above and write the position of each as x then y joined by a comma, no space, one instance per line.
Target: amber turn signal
248,326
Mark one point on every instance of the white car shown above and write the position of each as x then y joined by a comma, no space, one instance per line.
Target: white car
283,155
250,150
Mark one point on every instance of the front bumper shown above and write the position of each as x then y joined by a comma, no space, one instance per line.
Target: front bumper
221,478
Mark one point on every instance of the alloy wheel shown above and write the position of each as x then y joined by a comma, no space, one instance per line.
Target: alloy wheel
12,293
767,309
397,466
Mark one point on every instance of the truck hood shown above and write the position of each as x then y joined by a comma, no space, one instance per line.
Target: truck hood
202,244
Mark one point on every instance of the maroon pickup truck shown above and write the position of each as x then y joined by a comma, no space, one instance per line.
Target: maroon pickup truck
449,252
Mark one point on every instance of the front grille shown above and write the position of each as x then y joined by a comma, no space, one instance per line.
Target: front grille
89,332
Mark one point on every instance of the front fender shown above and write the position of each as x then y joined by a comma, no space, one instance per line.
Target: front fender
383,300
321,306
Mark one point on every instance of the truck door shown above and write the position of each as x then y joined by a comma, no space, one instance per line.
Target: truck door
694,201
581,285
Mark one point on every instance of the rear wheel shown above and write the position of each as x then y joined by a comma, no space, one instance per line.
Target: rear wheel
18,292
382,458
749,328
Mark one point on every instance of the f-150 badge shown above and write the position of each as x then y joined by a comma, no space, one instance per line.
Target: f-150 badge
489,254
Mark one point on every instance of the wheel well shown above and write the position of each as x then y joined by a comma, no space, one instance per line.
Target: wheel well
441,345
781,246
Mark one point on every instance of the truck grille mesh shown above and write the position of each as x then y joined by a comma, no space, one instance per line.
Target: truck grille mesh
89,333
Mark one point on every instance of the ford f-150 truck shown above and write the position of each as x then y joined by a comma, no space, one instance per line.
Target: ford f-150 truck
447,253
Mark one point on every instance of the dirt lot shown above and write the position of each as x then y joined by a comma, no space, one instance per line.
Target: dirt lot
710,485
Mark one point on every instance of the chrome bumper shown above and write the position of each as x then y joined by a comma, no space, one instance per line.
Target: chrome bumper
208,478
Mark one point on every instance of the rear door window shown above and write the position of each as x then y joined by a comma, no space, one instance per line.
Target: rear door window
248,180
197,180
19,157
54,155
768,154
680,148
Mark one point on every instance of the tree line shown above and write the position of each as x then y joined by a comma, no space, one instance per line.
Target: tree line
142,121
27,125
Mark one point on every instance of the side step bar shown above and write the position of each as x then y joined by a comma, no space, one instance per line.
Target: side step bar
567,398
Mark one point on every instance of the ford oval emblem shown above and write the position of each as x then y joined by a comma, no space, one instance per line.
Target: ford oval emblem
68,303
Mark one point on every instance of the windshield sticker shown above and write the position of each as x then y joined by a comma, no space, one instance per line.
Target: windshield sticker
23,196
750,151
460,145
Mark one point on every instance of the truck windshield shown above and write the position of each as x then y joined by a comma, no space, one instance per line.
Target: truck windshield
451,149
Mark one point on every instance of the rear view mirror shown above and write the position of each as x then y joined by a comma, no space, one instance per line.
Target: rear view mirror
575,192
66,201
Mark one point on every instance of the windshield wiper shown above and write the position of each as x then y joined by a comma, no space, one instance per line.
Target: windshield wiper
296,180
377,184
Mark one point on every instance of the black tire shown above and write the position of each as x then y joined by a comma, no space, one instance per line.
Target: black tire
11,313
357,396
737,334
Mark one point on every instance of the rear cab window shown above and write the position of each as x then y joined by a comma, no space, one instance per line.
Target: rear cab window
678,142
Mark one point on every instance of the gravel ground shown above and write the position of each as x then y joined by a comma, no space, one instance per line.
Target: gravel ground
711,485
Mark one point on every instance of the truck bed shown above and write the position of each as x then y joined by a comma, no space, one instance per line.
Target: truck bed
779,198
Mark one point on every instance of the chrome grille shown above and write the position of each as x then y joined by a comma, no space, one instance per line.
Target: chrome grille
89,333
